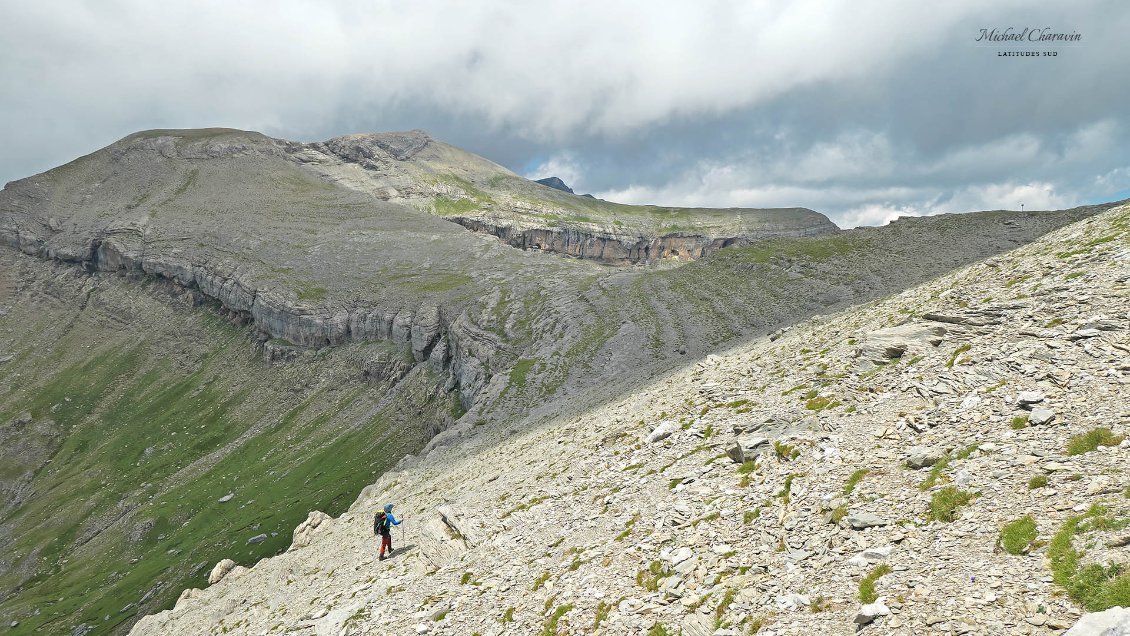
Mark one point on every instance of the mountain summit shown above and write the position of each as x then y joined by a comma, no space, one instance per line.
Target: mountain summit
555,183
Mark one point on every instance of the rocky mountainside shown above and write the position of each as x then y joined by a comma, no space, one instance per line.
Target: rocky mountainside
206,334
417,170
951,459
556,183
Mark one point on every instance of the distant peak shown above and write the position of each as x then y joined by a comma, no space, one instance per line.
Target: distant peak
556,184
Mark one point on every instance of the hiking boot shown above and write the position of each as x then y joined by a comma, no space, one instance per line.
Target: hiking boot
381,558
390,551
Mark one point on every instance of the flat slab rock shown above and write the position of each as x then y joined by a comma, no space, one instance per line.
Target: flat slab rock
861,520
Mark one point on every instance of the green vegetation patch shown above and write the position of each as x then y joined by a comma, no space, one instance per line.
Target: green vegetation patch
1017,536
854,479
311,292
945,502
867,593
1093,586
957,352
550,627
1092,439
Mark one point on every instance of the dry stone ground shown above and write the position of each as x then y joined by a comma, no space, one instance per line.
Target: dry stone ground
854,430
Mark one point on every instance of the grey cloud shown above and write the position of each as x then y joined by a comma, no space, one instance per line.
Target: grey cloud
849,107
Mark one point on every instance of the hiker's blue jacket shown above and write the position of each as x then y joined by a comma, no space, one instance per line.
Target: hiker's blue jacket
392,519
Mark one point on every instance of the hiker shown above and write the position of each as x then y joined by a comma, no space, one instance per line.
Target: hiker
383,522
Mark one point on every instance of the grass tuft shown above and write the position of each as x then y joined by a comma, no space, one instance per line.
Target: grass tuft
957,352
945,502
1092,439
1017,536
854,479
867,592
1094,587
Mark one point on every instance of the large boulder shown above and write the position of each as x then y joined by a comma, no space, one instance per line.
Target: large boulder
864,520
1112,622
220,571
884,345
662,432
304,533
747,448
921,457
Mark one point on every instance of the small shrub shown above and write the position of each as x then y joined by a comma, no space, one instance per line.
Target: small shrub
508,615
723,605
935,473
945,502
628,527
957,352
854,479
602,611
966,452
1016,536
550,628
658,630
1038,481
819,604
867,583
1019,422
940,466
1092,439
787,488
650,578
750,515
821,403
708,517
785,451
541,581
465,579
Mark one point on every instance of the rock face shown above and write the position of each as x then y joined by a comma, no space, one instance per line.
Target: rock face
582,525
305,531
620,249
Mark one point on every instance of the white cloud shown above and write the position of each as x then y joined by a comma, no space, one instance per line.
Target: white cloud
876,214
1009,196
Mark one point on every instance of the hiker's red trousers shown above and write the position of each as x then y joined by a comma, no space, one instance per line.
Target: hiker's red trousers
386,542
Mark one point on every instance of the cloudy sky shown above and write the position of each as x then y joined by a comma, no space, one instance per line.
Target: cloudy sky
861,109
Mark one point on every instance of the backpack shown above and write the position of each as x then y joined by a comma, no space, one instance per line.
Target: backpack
380,523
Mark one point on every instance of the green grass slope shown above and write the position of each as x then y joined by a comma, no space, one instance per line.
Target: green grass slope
153,413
